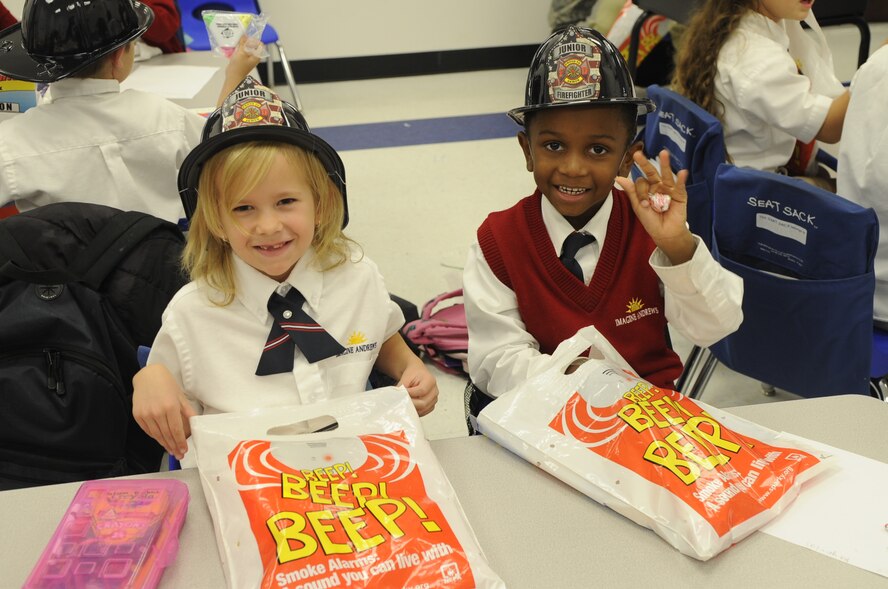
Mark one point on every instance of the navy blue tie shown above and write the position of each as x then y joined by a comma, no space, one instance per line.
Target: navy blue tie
574,242
291,328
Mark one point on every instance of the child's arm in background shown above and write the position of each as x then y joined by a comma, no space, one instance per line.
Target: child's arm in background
831,130
240,64
161,408
398,361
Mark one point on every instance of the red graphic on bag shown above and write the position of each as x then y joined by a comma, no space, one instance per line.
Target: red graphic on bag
337,523
669,440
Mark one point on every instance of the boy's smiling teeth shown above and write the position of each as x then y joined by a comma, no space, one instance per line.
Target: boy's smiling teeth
569,190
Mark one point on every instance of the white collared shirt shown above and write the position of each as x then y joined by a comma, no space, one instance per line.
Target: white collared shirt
702,302
213,351
93,143
863,159
767,103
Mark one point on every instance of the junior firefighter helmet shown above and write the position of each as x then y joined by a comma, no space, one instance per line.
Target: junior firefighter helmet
576,66
253,112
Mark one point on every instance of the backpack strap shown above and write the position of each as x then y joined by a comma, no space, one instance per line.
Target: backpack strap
112,244
16,265
10,250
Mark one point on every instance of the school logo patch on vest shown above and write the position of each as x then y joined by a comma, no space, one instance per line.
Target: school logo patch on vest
635,310
574,72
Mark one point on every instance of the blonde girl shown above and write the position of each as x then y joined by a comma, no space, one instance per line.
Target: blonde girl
267,227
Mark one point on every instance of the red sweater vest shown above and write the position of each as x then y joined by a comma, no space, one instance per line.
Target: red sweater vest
622,300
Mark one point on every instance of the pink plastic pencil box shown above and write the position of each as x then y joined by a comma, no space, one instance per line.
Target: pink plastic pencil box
116,534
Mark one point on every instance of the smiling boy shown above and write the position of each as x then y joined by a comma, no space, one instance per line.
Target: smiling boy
580,252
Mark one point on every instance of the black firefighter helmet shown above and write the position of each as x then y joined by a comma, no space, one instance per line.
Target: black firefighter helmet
576,66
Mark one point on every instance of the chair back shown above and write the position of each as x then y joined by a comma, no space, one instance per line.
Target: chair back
195,30
695,141
806,258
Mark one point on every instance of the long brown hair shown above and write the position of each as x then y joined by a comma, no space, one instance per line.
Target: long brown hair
696,63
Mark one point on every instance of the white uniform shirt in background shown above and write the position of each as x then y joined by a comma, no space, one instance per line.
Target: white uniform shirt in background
93,143
702,302
213,351
767,103
863,158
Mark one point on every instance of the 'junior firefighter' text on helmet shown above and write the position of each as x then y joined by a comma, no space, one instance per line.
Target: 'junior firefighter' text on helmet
577,66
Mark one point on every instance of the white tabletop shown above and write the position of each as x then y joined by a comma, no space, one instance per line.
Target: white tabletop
535,530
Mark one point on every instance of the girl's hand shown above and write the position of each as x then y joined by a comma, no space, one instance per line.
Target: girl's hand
422,387
161,408
668,228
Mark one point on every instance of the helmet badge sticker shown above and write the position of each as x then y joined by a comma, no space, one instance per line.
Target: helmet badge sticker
252,104
574,69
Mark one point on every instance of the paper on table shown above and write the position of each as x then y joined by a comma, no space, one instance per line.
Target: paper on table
841,513
169,81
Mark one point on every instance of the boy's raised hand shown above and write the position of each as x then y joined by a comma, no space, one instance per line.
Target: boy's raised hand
668,229
161,408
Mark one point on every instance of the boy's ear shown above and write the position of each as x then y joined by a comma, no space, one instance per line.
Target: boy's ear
626,164
525,146
116,56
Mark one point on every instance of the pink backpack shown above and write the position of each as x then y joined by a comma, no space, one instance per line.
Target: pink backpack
441,332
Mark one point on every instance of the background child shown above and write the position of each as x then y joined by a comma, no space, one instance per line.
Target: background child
91,142
863,161
522,300
771,84
269,222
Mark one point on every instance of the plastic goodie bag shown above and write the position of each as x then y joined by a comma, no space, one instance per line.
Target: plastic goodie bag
225,29
650,454
362,504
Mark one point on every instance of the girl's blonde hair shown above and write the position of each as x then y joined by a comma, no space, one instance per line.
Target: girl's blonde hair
225,180
696,63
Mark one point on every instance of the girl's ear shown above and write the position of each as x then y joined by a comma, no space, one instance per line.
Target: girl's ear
525,146
626,164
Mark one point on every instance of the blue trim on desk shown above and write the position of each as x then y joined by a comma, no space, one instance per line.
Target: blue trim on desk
419,131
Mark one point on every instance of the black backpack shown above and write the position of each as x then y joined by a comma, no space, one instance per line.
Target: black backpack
81,287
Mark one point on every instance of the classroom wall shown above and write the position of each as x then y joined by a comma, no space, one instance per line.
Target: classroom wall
352,28
357,28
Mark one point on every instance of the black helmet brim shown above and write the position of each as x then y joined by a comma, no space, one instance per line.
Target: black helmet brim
644,106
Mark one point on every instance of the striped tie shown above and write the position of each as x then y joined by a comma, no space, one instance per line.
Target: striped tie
292,327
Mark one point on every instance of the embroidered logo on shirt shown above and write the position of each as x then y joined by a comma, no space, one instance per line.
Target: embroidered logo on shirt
357,343
635,310
356,338
634,305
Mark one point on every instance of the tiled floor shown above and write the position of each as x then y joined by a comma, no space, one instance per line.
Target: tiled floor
415,208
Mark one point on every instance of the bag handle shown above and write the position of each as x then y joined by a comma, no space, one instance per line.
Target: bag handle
584,339
429,307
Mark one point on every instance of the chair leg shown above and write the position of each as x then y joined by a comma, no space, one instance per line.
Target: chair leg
269,62
690,366
702,380
288,73
879,388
